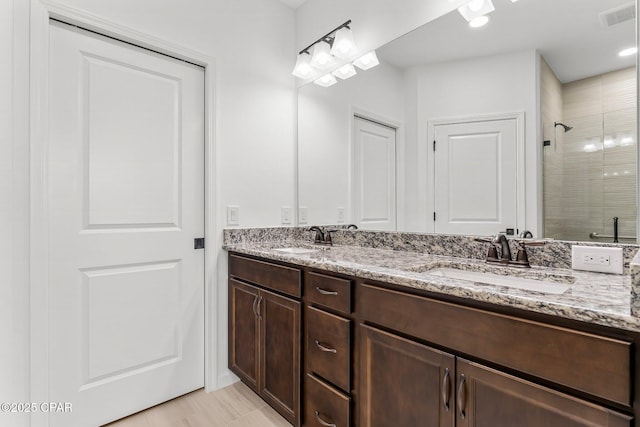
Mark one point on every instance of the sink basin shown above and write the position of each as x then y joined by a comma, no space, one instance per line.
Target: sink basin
296,250
498,280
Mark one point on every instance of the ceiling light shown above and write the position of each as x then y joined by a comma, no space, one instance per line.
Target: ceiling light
476,8
322,58
480,21
626,141
326,80
303,68
343,44
345,71
628,52
367,61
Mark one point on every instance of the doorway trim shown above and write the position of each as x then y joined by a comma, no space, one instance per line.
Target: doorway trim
41,12
429,186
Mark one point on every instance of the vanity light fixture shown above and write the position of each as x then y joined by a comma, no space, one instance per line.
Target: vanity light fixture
322,58
303,68
322,53
475,9
366,61
343,44
628,52
326,80
345,71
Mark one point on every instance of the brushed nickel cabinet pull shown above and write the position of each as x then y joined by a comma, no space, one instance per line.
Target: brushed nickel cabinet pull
321,421
462,398
446,389
325,349
325,292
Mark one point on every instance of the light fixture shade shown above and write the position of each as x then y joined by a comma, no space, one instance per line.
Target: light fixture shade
480,21
345,71
303,68
366,61
343,44
326,80
475,9
628,52
321,58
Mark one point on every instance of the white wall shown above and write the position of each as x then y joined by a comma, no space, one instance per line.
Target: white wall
479,86
325,118
14,212
252,42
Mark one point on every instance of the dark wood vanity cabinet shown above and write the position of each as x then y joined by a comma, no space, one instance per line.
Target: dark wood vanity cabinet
265,332
377,355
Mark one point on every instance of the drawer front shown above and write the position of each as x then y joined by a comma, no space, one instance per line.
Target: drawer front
277,277
328,352
324,405
589,363
328,291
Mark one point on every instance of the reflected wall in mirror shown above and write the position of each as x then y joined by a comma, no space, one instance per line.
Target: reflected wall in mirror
535,64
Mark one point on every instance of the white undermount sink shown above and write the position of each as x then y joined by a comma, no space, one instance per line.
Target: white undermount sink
296,250
498,280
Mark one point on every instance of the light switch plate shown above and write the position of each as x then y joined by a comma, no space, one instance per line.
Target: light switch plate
303,215
340,215
598,259
285,214
233,215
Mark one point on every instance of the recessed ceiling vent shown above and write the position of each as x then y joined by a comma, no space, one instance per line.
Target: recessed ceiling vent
618,15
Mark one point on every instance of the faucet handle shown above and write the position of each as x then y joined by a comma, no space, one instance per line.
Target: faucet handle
522,258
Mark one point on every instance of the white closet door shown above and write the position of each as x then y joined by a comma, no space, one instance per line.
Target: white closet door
475,174
126,200
374,176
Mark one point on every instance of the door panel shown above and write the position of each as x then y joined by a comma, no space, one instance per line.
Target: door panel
475,177
280,339
244,326
490,398
424,375
374,176
126,200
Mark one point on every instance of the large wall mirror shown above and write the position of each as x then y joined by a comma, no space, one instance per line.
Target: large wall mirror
527,123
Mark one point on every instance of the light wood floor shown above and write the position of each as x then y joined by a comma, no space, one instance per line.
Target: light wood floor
233,406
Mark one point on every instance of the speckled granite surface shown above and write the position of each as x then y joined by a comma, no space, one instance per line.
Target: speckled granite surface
408,259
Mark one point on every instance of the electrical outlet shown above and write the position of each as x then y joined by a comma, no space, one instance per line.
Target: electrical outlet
598,259
286,215
303,215
233,215
340,215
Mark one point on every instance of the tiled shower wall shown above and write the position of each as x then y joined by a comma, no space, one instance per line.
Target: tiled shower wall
590,171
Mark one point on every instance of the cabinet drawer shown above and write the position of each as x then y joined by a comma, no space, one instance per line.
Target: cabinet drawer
328,347
589,363
274,276
324,405
328,291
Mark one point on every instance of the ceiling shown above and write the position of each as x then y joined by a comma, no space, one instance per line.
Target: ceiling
568,33
293,4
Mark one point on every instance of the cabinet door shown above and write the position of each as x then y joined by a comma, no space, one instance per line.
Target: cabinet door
404,383
280,339
243,332
490,398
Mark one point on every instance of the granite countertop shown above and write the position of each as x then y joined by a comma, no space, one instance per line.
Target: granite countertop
603,299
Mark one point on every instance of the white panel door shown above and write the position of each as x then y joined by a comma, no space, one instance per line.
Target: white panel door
374,176
126,200
475,177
